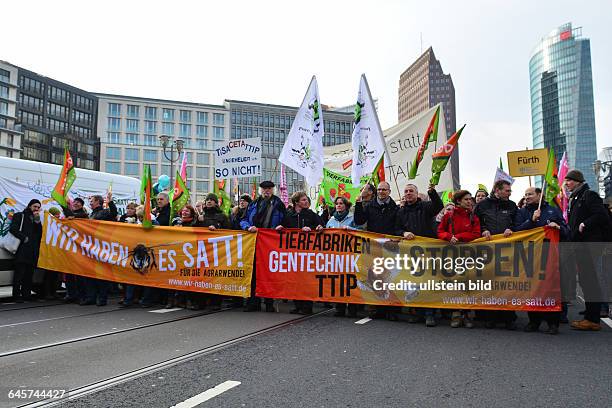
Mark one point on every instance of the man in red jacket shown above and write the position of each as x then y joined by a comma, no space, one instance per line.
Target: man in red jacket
460,225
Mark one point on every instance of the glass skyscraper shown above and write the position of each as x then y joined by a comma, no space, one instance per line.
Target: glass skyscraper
562,111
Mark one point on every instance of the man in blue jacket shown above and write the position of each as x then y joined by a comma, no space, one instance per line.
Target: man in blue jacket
529,217
267,211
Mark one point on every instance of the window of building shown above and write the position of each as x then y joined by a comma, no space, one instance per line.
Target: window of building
203,118
150,155
132,154
165,169
185,130
35,154
82,102
113,137
113,153
201,131
58,94
150,140
218,133
131,125
185,116
150,126
201,144
114,124
4,108
203,159
168,128
150,112
86,148
114,109
3,123
57,125
202,172
132,169
57,110
132,138
133,111
4,92
5,76
218,119
201,186
168,114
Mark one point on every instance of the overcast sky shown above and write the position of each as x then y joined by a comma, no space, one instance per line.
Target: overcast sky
266,51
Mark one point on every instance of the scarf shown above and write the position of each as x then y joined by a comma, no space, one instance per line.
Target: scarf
340,216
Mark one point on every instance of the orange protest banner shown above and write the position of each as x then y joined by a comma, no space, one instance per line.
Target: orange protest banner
191,259
515,273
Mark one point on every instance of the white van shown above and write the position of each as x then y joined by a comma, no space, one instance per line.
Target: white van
23,180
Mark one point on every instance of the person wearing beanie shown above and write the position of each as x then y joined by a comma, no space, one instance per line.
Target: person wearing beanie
587,221
239,211
212,217
26,226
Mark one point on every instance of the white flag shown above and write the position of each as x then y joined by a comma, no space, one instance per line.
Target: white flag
303,149
502,175
368,141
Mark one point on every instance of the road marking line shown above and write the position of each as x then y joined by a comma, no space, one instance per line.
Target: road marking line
174,309
208,394
363,321
607,321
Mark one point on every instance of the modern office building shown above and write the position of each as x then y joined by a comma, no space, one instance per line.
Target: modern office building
52,115
130,128
422,86
562,109
272,123
10,133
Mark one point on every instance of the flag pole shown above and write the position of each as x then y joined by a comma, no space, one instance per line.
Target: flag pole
542,194
383,138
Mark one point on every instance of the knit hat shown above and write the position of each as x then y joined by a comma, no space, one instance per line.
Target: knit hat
575,175
32,202
246,198
212,196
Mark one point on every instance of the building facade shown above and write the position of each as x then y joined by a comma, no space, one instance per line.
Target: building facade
422,86
10,132
272,124
561,89
130,128
53,115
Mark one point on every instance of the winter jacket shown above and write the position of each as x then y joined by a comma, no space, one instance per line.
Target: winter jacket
496,215
418,218
380,217
304,218
124,217
461,223
215,217
548,213
255,215
237,217
29,235
586,206
105,214
163,215
348,221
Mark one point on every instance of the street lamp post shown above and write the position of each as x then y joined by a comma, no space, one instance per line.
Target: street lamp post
178,143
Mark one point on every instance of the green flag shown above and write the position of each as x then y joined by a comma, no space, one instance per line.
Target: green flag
552,188
180,196
225,203
65,181
336,185
146,187
441,157
431,135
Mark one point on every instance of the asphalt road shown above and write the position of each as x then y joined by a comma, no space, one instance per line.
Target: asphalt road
318,362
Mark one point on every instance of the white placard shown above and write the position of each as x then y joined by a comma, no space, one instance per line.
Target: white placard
238,158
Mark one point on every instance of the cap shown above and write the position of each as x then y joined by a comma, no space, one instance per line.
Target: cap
575,175
266,184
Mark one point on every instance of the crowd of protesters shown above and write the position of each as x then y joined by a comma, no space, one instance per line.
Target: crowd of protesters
463,220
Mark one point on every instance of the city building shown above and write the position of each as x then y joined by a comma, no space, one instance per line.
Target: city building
272,123
10,133
53,115
562,108
422,86
130,127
